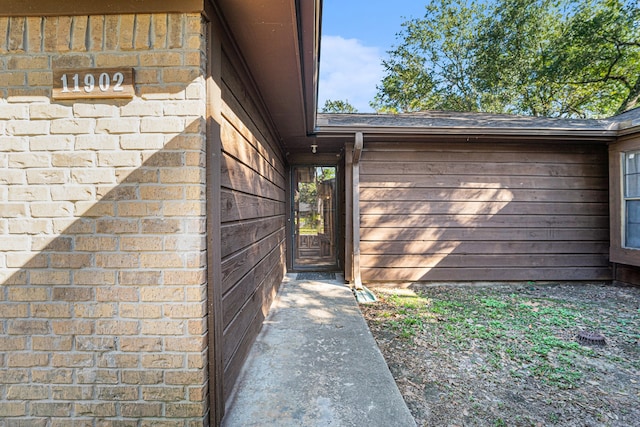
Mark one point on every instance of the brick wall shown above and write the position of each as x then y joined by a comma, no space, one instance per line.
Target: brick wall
102,226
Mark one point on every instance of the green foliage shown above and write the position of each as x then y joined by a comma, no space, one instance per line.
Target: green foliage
556,58
509,328
338,106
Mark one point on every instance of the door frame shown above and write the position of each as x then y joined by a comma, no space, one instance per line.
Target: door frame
335,160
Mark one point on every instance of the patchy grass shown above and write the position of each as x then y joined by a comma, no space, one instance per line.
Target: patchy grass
523,338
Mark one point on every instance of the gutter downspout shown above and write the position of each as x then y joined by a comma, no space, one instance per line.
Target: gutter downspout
355,193
362,294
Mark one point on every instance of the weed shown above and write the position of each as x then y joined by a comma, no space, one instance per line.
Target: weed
514,328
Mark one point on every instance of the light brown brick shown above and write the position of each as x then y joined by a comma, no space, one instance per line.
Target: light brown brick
27,392
73,327
161,192
49,111
163,394
113,393
138,344
72,293
157,294
103,409
184,343
185,409
140,311
51,209
163,327
26,127
93,277
11,310
118,260
50,143
96,142
13,409
27,293
14,376
34,34
70,260
62,392
140,208
108,60
39,78
118,125
117,226
117,327
97,376
118,360
71,193
139,410
174,30
78,41
94,310
160,30
29,160
92,209
11,177
162,125
87,343
73,159
142,377
28,327
50,310
118,159
12,343
51,409
160,260
13,143
72,126
70,360
96,28
139,278
51,343
117,294
27,360
46,176
52,376
28,193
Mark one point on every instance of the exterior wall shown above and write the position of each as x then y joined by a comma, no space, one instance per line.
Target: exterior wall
252,217
480,212
626,265
102,223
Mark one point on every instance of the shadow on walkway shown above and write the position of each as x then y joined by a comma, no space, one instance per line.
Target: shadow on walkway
315,363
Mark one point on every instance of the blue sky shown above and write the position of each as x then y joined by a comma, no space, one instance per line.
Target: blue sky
356,34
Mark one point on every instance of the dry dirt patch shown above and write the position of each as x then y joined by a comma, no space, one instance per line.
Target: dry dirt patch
513,355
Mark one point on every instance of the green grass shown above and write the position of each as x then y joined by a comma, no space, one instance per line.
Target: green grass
530,334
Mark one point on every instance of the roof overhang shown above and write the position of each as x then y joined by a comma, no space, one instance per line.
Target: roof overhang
280,43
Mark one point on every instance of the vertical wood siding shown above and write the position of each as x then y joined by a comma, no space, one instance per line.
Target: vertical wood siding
253,220
476,212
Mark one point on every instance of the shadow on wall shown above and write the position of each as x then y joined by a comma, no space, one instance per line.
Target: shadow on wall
109,304
520,221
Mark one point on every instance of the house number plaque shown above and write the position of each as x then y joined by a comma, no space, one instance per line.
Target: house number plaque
91,83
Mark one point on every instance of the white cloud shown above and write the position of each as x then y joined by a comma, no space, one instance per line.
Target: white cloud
349,71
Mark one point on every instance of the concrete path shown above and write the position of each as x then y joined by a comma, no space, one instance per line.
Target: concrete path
315,363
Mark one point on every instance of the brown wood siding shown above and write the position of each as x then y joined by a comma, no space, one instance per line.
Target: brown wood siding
252,211
481,212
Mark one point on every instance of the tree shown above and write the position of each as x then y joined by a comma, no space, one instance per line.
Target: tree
555,58
338,107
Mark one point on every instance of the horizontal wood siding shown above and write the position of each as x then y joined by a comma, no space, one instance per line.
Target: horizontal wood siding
252,214
484,212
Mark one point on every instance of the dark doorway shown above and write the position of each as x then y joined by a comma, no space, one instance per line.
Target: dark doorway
314,204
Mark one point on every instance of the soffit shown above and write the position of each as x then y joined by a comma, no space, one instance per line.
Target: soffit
279,42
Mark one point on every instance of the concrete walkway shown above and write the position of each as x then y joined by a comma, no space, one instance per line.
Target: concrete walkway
315,363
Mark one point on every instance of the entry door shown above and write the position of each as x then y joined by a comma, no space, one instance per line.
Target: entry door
314,217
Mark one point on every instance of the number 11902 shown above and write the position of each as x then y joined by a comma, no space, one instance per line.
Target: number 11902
89,82
92,83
